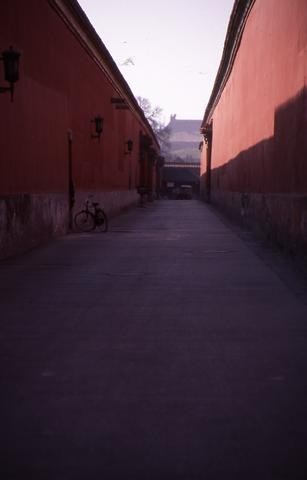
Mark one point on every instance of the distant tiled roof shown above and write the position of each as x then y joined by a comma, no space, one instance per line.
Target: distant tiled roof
180,175
187,126
184,130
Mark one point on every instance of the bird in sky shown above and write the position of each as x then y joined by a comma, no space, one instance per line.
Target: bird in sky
129,61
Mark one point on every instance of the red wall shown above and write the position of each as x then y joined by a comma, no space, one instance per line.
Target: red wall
61,88
259,141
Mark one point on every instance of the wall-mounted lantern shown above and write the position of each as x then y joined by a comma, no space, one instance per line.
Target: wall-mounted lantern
98,121
161,161
10,60
207,133
129,147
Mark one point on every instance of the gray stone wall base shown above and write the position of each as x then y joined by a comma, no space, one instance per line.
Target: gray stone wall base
27,220
112,202
281,218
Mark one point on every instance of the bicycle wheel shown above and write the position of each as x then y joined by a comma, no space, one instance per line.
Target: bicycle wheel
101,220
85,221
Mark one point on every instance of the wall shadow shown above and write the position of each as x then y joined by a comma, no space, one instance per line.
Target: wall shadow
266,185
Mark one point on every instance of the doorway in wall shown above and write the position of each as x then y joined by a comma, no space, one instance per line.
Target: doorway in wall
208,133
71,188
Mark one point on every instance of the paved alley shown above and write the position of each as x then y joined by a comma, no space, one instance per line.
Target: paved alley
167,348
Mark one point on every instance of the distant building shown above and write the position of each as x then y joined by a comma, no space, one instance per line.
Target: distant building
177,174
182,166
184,140
254,158
74,128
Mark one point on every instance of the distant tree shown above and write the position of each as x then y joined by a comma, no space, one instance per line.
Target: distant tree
153,115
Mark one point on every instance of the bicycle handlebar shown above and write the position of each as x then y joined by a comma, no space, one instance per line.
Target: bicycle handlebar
89,202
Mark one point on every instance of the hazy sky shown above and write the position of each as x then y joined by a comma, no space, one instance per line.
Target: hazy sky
168,50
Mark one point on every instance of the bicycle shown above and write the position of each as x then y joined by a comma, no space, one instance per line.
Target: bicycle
87,220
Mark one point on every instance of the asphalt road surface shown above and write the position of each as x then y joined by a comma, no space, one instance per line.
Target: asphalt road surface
168,348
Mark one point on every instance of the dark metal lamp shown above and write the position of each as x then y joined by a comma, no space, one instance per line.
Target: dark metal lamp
129,147
98,121
10,60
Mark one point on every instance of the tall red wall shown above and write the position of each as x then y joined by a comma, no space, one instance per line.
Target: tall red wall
269,71
259,144
61,89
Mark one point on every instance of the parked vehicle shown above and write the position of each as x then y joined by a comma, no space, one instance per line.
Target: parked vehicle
185,192
87,220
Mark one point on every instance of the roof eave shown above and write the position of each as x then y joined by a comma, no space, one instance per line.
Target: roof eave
86,25
238,18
